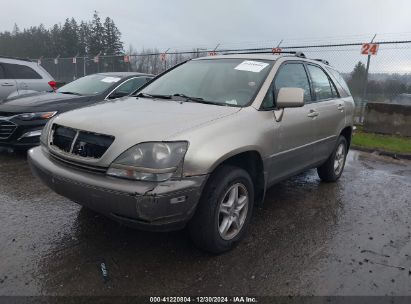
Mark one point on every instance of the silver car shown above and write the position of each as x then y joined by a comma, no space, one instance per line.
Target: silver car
22,76
200,144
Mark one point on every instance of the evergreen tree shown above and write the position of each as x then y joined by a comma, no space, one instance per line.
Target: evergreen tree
69,38
83,38
96,37
112,38
356,81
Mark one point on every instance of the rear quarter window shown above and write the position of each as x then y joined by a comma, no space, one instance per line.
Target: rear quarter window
18,71
340,82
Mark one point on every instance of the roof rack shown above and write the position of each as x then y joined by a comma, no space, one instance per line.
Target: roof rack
17,58
323,61
297,54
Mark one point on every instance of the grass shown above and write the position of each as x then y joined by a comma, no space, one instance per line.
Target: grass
391,143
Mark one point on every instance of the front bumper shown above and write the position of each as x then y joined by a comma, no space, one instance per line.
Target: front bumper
24,136
146,205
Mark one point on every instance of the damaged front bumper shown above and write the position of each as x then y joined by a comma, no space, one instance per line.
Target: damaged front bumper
146,205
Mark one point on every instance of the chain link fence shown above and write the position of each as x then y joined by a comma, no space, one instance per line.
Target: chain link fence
388,78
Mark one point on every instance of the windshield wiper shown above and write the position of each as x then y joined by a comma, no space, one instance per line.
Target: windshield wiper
198,99
153,96
71,93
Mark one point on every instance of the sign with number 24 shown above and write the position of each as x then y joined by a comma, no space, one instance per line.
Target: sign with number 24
369,49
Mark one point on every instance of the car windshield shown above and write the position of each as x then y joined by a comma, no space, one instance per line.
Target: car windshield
89,85
233,82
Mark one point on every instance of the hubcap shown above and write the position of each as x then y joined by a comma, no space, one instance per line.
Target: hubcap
233,211
339,159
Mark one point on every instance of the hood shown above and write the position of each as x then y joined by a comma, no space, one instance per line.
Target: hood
44,101
133,120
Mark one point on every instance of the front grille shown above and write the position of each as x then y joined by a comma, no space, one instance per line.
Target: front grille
80,143
7,128
76,165
7,114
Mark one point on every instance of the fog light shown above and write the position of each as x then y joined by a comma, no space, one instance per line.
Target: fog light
31,134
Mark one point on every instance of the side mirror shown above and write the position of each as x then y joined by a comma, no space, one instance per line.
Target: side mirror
290,98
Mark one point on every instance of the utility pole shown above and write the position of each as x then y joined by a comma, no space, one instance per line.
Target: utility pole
364,95
165,59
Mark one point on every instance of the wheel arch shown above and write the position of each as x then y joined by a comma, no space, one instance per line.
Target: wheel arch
347,133
252,162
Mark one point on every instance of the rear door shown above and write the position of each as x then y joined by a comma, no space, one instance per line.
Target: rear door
329,110
26,77
8,85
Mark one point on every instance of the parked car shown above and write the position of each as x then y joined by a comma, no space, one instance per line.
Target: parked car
22,76
23,118
200,144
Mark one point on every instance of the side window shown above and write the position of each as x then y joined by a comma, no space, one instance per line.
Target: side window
128,87
2,73
19,71
340,80
290,75
323,87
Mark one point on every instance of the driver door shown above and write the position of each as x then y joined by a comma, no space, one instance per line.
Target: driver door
293,150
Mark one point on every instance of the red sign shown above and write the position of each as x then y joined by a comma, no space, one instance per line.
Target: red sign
163,56
96,59
126,58
276,50
369,49
212,53
74,60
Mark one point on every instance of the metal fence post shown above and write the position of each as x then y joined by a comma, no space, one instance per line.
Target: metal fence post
364,95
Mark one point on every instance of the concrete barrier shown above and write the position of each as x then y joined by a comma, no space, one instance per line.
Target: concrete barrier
388,118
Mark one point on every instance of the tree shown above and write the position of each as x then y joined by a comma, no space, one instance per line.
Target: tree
96,37
356,81
112,38
83,38
69,38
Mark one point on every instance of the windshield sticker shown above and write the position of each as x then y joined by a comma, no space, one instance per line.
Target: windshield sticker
251,66
110,79
231,102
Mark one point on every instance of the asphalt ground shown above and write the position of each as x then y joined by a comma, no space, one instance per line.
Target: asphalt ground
351,237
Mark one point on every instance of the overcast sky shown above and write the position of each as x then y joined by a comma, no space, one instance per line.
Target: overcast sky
184,24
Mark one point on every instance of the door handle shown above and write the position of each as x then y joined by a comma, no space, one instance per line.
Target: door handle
313,114
7,84
340,107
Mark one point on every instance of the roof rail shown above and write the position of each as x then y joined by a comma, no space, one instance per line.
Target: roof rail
323,61
16,58
297,54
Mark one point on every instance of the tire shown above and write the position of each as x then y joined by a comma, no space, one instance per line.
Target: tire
328,172
218,209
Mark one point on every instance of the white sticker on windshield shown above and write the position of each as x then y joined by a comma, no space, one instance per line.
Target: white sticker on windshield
232,102
110,79
251,66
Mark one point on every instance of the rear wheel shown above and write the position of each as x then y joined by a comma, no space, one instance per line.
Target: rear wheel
224,210
332,169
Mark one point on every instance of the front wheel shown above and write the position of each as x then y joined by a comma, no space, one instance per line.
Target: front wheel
332,169
224,210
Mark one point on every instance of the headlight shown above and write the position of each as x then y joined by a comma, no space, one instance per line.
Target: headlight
45,132
36,116
152,161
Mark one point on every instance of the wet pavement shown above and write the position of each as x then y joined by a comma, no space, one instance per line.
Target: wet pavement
352,237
